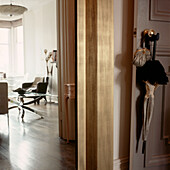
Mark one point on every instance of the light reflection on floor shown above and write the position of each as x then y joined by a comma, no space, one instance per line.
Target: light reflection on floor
24,149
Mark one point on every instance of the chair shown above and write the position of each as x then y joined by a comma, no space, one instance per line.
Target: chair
4,99
39,85
33,84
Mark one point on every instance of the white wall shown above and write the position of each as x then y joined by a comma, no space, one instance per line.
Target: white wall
39,34
123,29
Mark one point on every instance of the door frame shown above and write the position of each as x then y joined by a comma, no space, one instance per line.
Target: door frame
95,66
133,103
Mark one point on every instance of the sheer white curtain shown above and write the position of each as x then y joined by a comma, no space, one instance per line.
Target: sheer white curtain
11,51
18,51
4,50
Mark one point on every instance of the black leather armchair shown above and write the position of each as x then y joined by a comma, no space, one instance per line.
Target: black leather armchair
37,87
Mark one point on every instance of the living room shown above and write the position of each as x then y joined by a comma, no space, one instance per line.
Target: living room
28,45
35,32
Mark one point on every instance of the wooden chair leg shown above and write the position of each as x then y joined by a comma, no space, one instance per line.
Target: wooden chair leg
35,101
38,102
45,99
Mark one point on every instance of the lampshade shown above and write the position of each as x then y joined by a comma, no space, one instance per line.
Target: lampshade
12,10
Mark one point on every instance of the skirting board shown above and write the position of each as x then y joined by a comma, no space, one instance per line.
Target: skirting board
121,164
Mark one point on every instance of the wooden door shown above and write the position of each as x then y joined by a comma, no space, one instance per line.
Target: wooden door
152,14
66,63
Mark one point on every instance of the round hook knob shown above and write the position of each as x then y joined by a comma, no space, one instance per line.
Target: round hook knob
150,32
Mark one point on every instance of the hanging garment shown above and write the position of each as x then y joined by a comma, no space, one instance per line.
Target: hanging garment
152,71
141,56
148,108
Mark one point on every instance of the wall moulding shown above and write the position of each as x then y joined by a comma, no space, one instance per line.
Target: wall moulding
163,50
165,112
159,10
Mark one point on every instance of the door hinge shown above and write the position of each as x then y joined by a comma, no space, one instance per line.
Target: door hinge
135,32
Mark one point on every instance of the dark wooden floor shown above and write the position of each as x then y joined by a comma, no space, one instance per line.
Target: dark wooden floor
34,144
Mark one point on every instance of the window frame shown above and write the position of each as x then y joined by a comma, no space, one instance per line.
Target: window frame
12,43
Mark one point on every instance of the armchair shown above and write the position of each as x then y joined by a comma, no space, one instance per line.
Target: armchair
32,84
39,85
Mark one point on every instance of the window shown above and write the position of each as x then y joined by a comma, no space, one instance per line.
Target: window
4,49
11,51
18,51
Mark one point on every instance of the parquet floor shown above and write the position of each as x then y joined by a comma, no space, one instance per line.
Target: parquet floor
34,144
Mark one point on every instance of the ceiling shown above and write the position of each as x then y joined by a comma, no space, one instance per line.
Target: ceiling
29,4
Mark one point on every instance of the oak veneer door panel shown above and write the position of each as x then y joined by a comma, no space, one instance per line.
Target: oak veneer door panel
95,84
66,62
152,14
